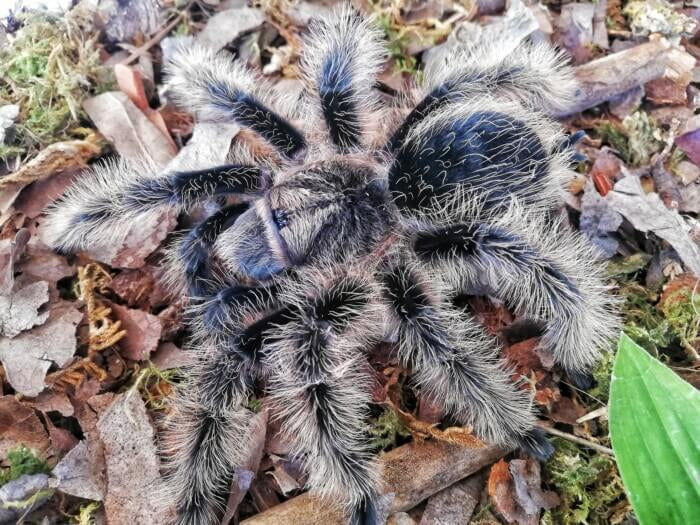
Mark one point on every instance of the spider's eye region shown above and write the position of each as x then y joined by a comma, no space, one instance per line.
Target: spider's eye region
281,218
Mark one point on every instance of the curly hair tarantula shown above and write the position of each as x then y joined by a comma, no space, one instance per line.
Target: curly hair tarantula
345,224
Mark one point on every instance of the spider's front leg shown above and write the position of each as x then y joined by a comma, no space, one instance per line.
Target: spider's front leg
453,360
320,387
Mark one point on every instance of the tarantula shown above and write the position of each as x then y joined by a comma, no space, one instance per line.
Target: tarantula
346,224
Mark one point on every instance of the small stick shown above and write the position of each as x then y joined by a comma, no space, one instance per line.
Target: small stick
576,439
140,51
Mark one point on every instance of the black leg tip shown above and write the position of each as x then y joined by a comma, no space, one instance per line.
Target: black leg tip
536,444
366,513
581,380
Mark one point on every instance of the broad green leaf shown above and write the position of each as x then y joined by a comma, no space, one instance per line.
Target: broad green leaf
655,433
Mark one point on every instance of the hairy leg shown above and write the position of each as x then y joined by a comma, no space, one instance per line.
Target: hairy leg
454,363
320,387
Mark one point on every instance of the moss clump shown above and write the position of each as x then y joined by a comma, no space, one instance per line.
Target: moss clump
681,308
386,430
588,484
22,461
49,68
86,514
635,139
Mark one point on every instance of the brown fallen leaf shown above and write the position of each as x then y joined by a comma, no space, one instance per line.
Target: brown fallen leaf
132,465
20,425
514,490
28,356
143,332
10,251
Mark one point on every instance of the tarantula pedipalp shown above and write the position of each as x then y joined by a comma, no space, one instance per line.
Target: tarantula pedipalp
346,235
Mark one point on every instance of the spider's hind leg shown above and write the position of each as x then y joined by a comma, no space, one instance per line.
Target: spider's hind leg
321,389
454,363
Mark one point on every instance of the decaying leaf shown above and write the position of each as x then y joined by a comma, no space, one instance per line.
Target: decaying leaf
19,311
226,26
143,331
133,468
599,221
514,489
455,504
28,356
647,212
20,425
76,475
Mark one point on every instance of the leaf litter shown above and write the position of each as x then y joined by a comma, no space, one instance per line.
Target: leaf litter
80,393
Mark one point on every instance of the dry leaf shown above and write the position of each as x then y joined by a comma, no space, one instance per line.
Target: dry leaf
28,356
142,332
76,475
226,26
20,425
128,129
455,504
131,459
21,496
647,213
19,311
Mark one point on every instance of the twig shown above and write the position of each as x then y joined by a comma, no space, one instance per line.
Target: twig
141,50
576,439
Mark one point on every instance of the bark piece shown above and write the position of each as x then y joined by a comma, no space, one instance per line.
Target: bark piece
411,474
608,77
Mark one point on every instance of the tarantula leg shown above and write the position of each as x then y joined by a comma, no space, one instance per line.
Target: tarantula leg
342,57
534,74
195,250
320,389
218,89
544,270
453,362
208,435
103,203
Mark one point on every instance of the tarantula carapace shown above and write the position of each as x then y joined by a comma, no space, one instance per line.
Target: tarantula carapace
338,229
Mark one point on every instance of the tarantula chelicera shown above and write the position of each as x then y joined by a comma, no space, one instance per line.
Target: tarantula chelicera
345,224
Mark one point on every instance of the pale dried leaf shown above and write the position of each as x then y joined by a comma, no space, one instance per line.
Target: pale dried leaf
226,26
19,311
143,331
76,474
28,356
133,468
647,213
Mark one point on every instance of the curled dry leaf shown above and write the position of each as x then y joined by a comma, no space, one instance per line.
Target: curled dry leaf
514,489
28,356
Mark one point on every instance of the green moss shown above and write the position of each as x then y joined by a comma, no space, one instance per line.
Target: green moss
588,484
86,514
254,404
602,373
396,44
48,70
635,139
386,429
682,312
22,461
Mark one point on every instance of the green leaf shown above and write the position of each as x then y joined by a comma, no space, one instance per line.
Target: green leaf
655,433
